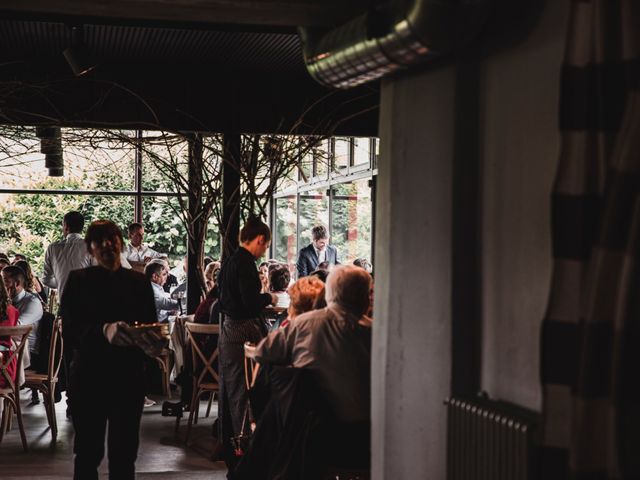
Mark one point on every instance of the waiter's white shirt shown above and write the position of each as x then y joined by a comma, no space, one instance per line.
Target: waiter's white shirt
138,254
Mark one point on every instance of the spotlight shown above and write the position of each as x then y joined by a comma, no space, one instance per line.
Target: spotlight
77,55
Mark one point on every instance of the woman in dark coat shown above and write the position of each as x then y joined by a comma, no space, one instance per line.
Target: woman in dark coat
241,305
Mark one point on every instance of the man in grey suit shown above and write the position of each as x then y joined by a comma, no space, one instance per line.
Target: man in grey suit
317,252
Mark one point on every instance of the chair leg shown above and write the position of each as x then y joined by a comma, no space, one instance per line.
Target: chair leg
52,412
209,405
20,425
192,407
3,418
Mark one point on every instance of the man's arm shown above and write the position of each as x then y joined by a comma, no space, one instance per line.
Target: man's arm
48,276
164,302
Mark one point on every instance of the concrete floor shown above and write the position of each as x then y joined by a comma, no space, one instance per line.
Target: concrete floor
162,455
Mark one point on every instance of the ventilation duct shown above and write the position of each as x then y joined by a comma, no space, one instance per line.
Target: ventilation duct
380,42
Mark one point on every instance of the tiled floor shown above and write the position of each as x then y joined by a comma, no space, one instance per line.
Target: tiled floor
162,455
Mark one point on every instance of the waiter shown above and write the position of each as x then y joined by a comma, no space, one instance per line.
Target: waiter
241,305
107,372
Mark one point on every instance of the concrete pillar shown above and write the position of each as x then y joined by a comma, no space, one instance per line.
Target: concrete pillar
412,332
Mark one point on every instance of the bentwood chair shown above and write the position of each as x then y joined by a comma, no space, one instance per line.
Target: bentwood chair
10,390
46,383
205,376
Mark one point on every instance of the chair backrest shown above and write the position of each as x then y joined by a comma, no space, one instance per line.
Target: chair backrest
196,332
55,351
18,335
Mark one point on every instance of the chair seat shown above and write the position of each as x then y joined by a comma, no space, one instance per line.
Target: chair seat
209,386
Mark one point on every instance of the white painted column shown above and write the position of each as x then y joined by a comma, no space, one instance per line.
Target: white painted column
412,331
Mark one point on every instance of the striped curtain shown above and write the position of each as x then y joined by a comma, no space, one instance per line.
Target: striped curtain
590,344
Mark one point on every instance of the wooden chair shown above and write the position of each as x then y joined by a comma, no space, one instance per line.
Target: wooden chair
46,383
208,380
10,393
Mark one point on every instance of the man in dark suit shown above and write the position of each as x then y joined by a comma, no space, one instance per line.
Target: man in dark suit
317,252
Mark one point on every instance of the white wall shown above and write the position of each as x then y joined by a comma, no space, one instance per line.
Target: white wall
519,118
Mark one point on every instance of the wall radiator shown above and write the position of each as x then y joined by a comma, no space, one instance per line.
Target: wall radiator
489,440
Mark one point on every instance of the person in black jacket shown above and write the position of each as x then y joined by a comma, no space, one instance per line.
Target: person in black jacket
318,252
100,304
241,304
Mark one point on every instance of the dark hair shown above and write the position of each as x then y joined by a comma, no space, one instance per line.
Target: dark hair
28,274
253,228
206,261
100,230
264,264
318,232
153,267
4,255
321,274
323,266
18,256
363,263
279,279
16,273
133,227
74,221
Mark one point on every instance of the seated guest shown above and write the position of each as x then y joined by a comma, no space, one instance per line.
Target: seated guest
138,253
363,263
318,413
342,332
33,284
279,279
8,318
302,297
156,272
210,273
28,304
4,263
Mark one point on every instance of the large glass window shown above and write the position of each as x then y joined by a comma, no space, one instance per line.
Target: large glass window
30,222
314,210
351,220
285,239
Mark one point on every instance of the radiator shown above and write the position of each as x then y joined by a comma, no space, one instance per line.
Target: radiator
489,440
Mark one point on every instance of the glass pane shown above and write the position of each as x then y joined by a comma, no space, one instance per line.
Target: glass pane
165,162
93,160
361,151
314,210
341,155
164,229
351,220
285,247
322,158
30,222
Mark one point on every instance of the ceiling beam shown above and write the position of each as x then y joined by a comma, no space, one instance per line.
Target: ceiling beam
319,13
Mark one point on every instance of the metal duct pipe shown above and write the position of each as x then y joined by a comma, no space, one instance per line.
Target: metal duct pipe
378,43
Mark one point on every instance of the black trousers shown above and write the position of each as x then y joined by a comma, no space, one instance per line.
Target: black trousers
111,408
234,396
